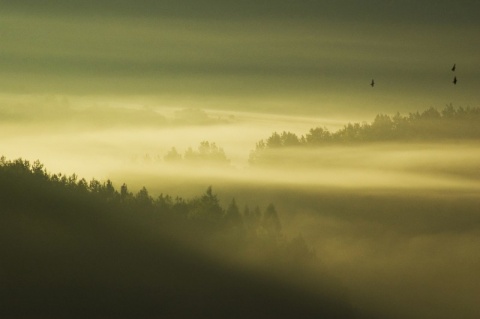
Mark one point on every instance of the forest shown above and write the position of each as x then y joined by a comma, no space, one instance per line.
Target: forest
431,125
72,248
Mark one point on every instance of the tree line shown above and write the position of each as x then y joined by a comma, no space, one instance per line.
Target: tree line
75,248
26,186
430,125
207,153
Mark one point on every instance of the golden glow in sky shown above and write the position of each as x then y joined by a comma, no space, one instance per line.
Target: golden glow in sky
307,58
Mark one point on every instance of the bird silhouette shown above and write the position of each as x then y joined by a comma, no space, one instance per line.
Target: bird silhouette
454,67
454,80
373,83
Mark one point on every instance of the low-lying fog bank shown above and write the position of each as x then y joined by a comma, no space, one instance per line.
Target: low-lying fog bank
120,154
396,224
400,253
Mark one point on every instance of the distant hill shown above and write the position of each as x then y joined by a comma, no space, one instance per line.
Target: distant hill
430,125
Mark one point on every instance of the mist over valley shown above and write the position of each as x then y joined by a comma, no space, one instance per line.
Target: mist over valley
239,159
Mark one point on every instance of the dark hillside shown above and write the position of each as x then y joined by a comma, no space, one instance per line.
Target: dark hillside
75,249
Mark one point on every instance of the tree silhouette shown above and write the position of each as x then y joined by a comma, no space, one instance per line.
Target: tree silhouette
207,153
274,141
271,222
206,209
318,136
232,214
429,125
143,198
173,156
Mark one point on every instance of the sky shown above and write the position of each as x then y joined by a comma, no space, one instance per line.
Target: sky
306,58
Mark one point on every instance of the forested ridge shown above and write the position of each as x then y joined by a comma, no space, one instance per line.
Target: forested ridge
72,248
30,186
431,125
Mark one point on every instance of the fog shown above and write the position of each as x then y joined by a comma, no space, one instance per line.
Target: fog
59,130
395,226
177,96
119,140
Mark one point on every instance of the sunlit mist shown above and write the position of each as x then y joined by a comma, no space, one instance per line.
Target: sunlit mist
222,159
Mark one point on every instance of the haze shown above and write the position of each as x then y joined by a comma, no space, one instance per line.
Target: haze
105,90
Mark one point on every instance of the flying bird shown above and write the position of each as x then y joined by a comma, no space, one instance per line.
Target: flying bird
373,83
454,80
454,67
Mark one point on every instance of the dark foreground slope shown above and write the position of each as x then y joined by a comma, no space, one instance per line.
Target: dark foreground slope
69,250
